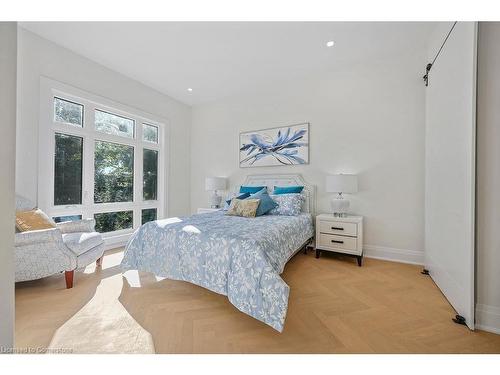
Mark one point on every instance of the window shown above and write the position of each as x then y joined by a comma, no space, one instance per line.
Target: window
113,124
99,159
148,214
68,112
149,133
113,172
150,174
68,169
113,221
62,219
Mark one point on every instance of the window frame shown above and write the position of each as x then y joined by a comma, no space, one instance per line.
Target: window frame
49,89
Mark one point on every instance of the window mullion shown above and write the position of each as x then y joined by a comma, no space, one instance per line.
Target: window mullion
162,173
89,146
138,173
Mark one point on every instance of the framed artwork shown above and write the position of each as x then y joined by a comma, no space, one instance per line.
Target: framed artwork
288,145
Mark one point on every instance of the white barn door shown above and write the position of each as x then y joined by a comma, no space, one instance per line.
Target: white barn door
450,169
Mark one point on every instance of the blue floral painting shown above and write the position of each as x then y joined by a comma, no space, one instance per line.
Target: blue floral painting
277,146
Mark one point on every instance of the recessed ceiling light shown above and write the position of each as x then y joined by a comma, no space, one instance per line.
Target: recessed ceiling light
190,89
330,43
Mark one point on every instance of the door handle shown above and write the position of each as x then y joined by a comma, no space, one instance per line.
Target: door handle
335,241
337,228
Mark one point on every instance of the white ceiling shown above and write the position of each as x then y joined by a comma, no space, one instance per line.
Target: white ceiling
220,59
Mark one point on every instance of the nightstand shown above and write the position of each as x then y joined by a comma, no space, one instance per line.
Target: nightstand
207,210
340,235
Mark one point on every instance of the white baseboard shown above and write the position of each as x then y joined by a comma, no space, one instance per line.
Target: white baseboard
394,255
488,318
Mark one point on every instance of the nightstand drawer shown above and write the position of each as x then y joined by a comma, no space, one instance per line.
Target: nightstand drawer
336,227
337,242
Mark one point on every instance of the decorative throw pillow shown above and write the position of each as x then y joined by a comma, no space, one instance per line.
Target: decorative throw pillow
243,207
288,204
251,189
266,202
34,219
288,189
241,196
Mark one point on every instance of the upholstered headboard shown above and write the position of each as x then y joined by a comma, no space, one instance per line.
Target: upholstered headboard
271,180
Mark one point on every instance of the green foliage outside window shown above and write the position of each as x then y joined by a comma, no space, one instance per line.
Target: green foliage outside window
150,174
149,133
111,221
113,172
68,112
148,214
68,169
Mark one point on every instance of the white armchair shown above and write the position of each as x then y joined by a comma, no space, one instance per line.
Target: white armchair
69,246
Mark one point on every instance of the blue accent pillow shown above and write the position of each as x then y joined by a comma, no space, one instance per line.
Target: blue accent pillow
266,203
241,196
251,189
288,189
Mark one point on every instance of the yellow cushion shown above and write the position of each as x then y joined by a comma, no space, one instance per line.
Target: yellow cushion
243,207
34,219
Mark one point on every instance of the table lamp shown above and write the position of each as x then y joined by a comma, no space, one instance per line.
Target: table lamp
214,184
341,183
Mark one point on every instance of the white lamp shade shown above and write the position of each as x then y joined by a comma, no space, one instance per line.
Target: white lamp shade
215,183
342,183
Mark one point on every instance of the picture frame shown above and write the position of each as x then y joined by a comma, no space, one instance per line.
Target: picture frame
277,146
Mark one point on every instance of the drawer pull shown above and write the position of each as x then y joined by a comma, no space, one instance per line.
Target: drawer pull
337,228
335,241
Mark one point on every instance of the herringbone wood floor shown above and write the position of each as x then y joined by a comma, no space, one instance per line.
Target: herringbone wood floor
334,307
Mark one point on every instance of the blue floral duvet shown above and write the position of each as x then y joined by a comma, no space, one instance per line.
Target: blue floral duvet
239,257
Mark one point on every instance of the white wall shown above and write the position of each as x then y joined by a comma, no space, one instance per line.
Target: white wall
488,179
40,57
8,61
367,120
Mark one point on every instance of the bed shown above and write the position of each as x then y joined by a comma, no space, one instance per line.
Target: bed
241,258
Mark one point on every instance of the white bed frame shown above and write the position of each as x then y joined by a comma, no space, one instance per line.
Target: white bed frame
271,180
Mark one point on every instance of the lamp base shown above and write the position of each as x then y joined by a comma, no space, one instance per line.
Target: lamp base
340,206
